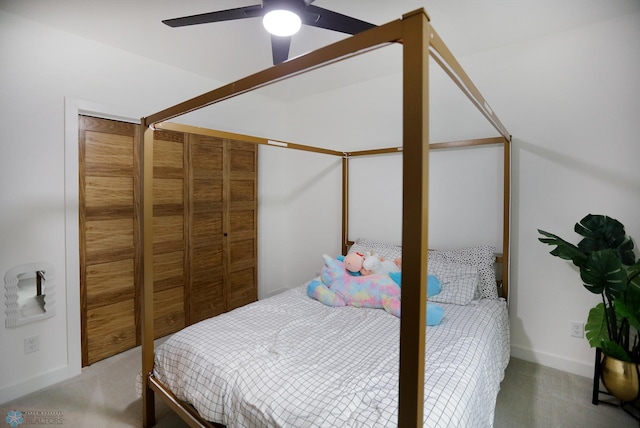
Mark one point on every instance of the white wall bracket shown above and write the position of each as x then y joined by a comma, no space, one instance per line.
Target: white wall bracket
30,294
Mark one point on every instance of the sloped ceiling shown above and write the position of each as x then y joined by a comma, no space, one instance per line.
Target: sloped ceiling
227,51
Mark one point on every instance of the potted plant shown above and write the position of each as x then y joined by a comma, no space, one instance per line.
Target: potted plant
608,267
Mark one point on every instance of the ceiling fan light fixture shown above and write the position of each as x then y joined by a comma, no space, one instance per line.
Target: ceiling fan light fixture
281,22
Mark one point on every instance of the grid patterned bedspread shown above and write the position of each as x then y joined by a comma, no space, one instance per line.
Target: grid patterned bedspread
290,361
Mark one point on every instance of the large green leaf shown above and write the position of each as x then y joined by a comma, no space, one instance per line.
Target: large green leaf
596,327
602,232
631,297
626,254
629,307
565,250
633,276
627,312
603,272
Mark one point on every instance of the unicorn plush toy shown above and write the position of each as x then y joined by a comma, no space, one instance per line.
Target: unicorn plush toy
337,287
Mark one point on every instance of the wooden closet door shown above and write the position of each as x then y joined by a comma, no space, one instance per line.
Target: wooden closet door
240,223
206,291
109,250
170,229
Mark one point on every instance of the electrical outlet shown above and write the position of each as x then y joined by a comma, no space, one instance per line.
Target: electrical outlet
31,344
577,329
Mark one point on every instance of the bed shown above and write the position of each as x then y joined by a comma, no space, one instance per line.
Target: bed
291,361
414,384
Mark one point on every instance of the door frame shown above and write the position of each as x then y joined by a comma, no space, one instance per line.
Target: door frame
72,109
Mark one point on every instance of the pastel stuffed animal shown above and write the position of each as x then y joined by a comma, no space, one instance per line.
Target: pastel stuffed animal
337,287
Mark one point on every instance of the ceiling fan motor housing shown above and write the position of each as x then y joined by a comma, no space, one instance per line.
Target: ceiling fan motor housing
294,6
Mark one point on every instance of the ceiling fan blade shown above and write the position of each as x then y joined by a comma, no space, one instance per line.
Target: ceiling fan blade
280,48
222,15
330,20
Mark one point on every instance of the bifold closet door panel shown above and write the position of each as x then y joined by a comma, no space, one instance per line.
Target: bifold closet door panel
170,231
108,230
240,223
206,291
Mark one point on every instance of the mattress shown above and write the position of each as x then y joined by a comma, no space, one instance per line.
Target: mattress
290,361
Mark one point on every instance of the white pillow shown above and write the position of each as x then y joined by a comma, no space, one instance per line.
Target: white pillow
482,257
459,282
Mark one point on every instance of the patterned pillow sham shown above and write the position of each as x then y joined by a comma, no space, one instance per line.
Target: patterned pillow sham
482,257
459,282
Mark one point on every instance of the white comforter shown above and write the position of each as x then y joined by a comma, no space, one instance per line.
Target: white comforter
290,361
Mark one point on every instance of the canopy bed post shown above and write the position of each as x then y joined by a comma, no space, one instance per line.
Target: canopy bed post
148,403
415,166
506,215
345,202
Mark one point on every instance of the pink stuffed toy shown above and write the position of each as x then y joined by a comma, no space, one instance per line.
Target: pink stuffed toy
353,262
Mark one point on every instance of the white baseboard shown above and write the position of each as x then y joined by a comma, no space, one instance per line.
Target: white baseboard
17,390
548,360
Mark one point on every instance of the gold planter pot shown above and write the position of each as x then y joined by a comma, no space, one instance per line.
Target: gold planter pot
620,378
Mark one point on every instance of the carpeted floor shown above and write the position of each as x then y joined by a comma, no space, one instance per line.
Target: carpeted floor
103,396
534,396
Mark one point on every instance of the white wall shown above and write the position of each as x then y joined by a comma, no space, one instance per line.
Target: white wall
45,71
369,115
572,102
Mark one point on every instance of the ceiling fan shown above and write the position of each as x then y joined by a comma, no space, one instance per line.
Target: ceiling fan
282,18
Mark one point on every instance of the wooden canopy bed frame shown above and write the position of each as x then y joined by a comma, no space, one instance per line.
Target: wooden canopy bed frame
419,42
